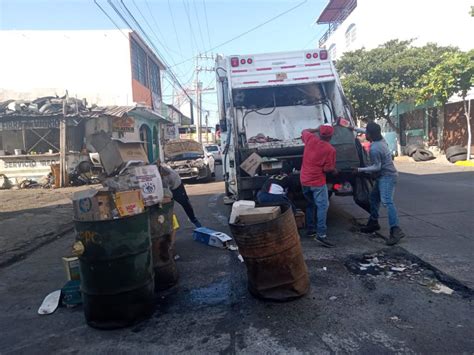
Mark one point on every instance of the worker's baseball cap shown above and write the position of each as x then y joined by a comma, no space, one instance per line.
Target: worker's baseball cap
326,131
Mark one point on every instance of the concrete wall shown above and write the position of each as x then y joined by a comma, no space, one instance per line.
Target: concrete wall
94,64
445,23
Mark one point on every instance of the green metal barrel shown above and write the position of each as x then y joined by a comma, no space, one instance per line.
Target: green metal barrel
162,245
116,271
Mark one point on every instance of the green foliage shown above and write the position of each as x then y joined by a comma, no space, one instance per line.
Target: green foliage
374,80
454,74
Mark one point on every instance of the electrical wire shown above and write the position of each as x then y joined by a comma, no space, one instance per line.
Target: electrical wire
196,13
151,43
250,30
111,20
207,22
193,38
174,27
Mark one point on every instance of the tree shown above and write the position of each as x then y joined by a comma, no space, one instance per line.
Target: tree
454,75
376,80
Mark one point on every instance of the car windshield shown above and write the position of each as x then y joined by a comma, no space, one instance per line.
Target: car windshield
186,156
212,148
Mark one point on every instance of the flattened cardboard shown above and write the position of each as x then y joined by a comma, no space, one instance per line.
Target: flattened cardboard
114,153
259,214
129,203
92,205
251,164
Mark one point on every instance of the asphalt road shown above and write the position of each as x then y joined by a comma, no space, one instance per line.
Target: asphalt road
210,311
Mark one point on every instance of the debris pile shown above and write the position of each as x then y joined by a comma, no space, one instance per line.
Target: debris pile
396,268
48,105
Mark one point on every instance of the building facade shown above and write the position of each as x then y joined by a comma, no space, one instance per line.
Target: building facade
353,24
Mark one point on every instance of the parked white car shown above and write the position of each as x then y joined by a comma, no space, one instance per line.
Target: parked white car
189,159
215,150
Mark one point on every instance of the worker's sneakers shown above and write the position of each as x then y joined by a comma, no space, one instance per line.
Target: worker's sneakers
324,241
395,235
371,226
196,223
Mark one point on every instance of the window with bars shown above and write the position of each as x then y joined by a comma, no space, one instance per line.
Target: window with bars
139,63
154,77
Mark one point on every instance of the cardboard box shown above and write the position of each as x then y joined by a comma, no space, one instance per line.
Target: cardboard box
251,164
129,203
259,214
93,205
145,178
115,154
71,265
211,237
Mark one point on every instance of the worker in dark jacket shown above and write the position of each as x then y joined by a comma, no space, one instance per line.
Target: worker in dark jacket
275,189
386,178
172,180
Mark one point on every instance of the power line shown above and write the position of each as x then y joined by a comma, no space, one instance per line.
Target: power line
193,44
111,20
149,41
207,22
199,23
248,31
174,27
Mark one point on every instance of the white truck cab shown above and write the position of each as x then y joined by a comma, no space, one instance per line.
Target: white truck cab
266,101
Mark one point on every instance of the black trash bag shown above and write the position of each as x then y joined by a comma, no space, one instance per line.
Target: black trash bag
362,187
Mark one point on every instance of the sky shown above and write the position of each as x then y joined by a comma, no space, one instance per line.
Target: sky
180,29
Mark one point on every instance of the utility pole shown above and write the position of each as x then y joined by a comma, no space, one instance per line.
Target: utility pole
62,146
198,91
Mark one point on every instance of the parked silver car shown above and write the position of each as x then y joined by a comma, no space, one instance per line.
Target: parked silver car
215,150
188,158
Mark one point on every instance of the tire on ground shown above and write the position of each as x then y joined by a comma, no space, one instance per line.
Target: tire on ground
459,157
423,155
455,150
411,149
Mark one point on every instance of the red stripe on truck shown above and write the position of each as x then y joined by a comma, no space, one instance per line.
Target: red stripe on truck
325,76
303,78
275,81
288,66
239,71
312,64
250,82
260,69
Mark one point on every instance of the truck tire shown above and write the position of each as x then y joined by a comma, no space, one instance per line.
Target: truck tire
423,155
411,149
459,157
455,150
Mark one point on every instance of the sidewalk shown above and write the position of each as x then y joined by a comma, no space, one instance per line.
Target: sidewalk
32,218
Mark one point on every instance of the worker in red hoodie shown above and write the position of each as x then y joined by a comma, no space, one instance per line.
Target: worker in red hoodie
319,159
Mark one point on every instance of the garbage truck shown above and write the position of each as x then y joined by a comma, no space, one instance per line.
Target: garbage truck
265,101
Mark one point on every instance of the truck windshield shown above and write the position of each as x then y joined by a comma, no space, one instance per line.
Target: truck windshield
289,95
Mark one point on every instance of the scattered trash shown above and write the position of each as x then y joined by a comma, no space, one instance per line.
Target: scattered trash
240,258
395,319
440,288
332,298
71,265
176,257
232,247
325,268
50,303
396,267
72,293
211,237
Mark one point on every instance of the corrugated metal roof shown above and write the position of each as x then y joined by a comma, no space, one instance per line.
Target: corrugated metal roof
117,111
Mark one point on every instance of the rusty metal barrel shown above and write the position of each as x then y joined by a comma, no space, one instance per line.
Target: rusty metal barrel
162,246
272,253
116,271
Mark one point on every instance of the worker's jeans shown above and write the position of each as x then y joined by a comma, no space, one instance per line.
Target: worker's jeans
265,197
180,196
318,204
383,191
